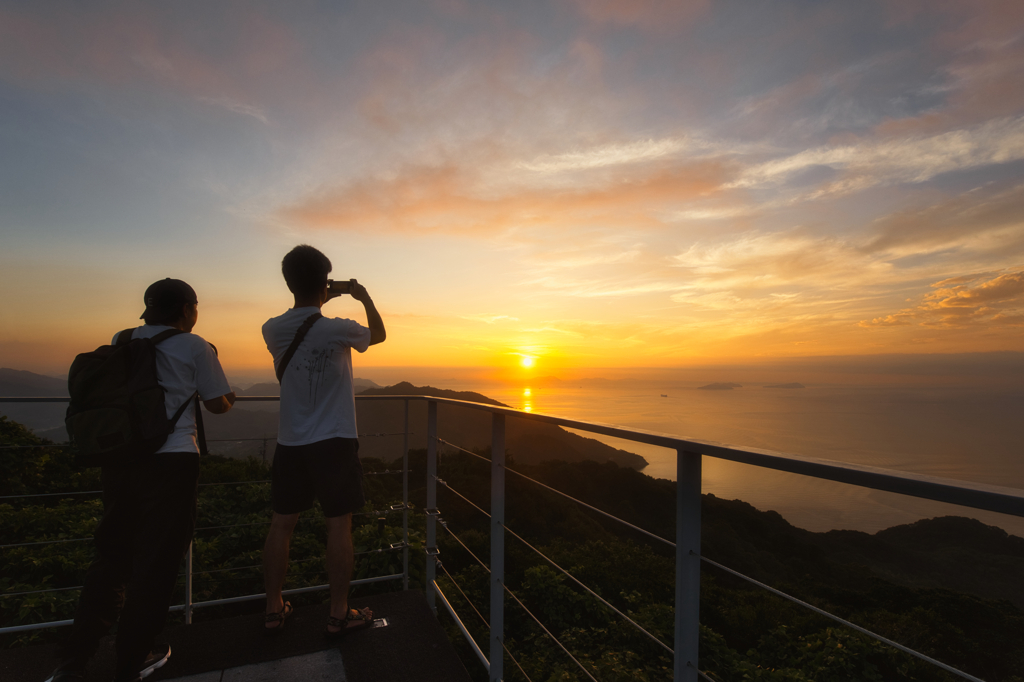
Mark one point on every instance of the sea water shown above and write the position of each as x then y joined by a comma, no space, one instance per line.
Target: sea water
967,433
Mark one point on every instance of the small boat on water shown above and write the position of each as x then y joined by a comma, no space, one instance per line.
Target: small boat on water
664,395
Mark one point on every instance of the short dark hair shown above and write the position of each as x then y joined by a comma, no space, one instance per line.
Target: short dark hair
305,270
165,301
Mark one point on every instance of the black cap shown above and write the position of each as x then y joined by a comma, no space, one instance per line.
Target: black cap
167,295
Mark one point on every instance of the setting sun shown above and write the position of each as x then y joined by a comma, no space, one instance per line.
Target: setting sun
527,361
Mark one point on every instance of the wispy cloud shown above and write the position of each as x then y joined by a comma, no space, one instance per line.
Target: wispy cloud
238,107
490,319
765,261
608,155
601,287
986,220
911,160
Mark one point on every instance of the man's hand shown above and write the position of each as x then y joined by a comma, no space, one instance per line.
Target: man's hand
359,292
373,319
221,404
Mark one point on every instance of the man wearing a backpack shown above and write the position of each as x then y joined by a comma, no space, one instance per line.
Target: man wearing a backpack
149,498
317,455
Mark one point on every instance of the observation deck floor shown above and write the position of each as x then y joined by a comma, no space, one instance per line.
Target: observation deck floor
413,647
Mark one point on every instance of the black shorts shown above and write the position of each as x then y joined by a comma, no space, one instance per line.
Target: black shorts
328,470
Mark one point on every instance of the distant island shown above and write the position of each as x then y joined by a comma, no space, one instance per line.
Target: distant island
721,386
793,385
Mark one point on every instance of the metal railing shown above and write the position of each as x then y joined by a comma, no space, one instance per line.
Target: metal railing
688,557
189,605
689,455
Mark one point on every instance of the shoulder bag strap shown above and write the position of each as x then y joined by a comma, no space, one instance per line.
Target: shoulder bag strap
126,336
200,431
166,334
299,335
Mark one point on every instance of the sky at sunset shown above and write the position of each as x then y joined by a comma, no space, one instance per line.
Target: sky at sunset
582,183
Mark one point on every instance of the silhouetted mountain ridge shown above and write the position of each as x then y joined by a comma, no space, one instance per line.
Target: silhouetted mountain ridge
241,432
19,383
527,441
405,388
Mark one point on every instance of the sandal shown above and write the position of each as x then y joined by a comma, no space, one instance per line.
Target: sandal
280,617
354,620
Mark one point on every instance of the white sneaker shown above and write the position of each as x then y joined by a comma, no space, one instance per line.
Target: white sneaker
156,659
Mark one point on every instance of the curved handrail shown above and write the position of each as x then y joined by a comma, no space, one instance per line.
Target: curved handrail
963,493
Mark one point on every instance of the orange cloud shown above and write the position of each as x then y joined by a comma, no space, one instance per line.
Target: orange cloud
451,199
961,302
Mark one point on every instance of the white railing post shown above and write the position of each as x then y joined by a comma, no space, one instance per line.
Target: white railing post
431,510
687,635
497,650
405,500
188,584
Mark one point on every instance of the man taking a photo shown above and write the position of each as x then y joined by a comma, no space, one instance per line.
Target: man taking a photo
317,454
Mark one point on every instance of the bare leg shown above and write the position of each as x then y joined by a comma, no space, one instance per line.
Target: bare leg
275,558
340,557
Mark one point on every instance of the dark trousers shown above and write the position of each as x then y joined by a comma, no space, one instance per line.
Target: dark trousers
149,514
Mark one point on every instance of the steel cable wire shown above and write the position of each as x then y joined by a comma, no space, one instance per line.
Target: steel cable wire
471,605
553,638
269,438
895,645
181,575
486,624
228,482
516,662
100,492
65,446
67,494
52,589
471,454
452,533
569,497
235,525
290,563
468,501
44,542
590,591
591,507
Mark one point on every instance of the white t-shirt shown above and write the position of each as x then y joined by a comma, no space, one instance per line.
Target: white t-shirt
317,398
185,363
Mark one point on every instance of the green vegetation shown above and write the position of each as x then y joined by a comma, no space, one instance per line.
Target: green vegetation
746,633
226,560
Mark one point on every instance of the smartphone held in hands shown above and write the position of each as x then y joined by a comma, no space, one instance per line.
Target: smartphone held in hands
340,286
